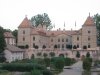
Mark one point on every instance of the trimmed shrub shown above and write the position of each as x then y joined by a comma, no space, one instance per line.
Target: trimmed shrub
35,72
47,61
68,61
47,72
21,67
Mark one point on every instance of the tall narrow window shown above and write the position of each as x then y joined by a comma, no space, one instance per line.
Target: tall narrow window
23,38
33,38
89,32
88,38
58,40
77,38
62,40
23,31
66,40
62,45
89,46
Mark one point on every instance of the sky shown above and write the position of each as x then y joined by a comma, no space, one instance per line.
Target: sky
12,12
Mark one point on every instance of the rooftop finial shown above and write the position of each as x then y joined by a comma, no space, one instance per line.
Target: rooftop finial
89,14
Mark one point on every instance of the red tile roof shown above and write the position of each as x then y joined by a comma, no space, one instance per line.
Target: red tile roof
89,21
8,35
25,23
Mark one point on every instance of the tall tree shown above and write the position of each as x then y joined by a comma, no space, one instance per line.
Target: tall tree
2,40
2,45
97,21
42,19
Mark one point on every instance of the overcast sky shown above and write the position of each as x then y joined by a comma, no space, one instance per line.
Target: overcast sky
12,12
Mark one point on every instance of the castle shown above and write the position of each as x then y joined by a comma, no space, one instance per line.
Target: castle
84,38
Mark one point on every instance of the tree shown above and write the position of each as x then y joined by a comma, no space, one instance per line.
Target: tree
2,45
87,54
2,40
59,63
52,54
15,33
42,19
97,21
78,54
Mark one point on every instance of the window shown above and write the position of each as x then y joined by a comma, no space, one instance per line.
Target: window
62,45
33,38
23,31
88,38
51,40
23,38
58,40
33,45
89,32
89,46
77,45
58,45
77,38
62,40
66,40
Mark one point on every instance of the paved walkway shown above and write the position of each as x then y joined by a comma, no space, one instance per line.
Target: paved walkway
76,69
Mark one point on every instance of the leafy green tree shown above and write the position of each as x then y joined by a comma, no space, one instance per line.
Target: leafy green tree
2,45
87,54
47,61
87,64
97,21
2,40
59,63
42,19
78,54
15,34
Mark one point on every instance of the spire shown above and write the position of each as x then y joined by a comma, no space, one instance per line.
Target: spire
25,23
89,21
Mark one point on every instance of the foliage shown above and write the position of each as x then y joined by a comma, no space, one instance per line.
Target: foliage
35,72
22,67
97,21
47,61
45,54
52,54
78,54
59,63
87,54
68,61
87,62
42,19
2,40
47,72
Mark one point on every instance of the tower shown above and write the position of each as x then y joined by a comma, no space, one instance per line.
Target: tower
24,31
89,33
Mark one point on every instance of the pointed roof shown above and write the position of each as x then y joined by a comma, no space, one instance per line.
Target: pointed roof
89,21
25,23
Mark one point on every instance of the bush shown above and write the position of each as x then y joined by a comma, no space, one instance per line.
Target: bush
47,61
68,61
59,63
22,67
35,72
47,72
87,62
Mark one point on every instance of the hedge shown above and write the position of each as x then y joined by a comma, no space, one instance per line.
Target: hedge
22,67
